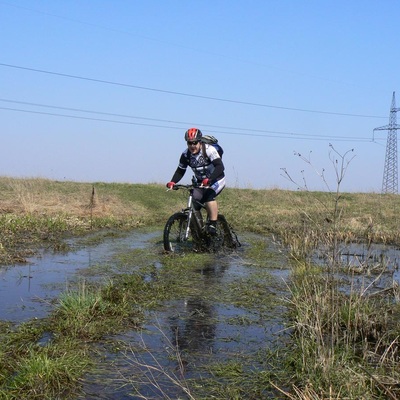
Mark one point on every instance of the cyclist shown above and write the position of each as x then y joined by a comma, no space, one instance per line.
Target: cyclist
208,169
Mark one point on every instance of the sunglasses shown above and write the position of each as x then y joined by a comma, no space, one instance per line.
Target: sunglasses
193,143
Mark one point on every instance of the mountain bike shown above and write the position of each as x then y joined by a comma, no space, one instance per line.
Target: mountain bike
187,231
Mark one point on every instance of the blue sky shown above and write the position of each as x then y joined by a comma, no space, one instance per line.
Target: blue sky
102,90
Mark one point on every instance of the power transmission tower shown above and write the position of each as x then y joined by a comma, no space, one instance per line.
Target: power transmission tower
390,173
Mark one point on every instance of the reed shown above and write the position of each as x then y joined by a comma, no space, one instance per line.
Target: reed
341,339
148,371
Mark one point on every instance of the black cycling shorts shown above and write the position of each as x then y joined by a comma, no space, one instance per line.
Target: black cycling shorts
204,195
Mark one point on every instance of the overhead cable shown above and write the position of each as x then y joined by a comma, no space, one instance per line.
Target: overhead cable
185,94
269,134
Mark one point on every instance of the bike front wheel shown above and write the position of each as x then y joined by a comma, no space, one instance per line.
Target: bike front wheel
174,234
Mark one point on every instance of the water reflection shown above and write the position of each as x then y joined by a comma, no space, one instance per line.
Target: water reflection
195,330
363,267
201,328
359,255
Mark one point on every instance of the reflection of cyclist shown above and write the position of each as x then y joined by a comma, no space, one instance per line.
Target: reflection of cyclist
209,172
196,330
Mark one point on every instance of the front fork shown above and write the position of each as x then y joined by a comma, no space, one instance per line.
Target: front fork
190,211
189,215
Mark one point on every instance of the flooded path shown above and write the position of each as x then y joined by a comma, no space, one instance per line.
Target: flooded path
179,339
183,338
186,340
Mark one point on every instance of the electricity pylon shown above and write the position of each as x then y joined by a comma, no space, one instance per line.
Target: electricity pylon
390,172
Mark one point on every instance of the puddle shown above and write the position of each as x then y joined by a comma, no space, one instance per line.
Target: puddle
27,291
376,267
176,342
181,339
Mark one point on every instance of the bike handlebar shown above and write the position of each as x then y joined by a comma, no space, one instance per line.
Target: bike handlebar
178,186
193,185
188,187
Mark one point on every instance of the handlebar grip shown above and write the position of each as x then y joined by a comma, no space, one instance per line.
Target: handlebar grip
178,186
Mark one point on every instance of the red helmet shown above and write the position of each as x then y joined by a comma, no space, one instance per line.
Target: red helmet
193,134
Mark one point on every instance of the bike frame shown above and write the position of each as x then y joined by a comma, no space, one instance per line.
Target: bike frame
195,226
191,211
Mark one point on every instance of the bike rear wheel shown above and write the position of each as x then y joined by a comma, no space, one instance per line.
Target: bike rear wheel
224,237
174,234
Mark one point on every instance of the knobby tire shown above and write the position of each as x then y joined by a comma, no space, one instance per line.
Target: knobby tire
224,238
174,232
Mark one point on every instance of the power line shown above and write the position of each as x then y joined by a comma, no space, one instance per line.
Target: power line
185,94
153,39
85,118
163,120
262,133
94,112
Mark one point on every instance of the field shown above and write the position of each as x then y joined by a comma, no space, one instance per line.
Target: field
343,343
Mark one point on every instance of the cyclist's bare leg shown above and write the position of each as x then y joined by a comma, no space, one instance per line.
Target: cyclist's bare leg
212,210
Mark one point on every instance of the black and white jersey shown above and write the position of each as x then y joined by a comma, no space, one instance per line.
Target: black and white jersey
202,166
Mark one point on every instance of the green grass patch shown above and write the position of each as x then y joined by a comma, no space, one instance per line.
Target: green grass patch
236,379
254,292
42,374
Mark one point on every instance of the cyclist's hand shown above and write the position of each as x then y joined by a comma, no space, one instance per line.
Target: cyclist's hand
170,185
206,182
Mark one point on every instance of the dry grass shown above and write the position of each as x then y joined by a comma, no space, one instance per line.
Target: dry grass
40,212
257,210
300,219
43,196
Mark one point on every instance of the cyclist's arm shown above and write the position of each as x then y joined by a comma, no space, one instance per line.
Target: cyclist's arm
218,172
178,175
180,171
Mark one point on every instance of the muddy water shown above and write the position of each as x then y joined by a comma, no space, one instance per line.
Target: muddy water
177,341
182,339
